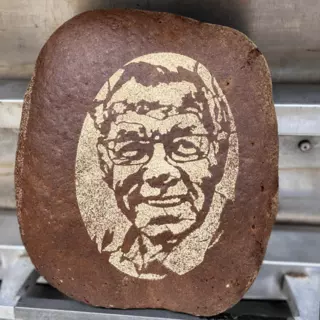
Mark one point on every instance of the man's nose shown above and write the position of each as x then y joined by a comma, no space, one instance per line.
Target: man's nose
161,180
159,171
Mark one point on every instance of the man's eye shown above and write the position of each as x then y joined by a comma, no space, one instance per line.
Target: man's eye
186,147
191,148
129,152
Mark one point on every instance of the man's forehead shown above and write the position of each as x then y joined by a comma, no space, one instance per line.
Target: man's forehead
165,94
145,124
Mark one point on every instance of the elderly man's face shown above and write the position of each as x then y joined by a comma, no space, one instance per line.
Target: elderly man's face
159,166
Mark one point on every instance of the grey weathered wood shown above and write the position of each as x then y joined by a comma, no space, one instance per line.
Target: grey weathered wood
10,113
285,31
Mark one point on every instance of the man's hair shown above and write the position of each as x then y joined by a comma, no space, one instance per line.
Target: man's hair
214,118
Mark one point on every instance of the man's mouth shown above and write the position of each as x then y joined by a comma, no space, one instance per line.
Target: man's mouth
165,217
166,201
164,220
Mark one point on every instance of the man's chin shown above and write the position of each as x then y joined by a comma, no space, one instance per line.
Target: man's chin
153,230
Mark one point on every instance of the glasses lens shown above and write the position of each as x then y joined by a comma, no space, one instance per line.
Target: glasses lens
128,152
189,148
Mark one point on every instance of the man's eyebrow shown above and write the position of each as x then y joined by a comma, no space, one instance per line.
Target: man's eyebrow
187,125
130,130
128,135
182,130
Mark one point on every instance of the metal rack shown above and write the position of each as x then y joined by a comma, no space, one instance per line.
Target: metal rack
295,279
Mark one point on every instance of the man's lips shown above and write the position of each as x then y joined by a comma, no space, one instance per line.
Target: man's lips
166,201
164,220
172,217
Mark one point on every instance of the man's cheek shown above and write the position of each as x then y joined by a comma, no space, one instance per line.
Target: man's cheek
121,174
197,170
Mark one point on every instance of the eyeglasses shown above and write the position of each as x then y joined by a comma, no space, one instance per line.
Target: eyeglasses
139,151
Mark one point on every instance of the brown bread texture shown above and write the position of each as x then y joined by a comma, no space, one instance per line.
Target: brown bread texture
147,164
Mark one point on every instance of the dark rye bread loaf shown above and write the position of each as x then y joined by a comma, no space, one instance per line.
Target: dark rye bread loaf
146,172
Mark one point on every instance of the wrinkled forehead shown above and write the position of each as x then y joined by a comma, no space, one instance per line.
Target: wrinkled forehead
132,124
171,98
162,108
